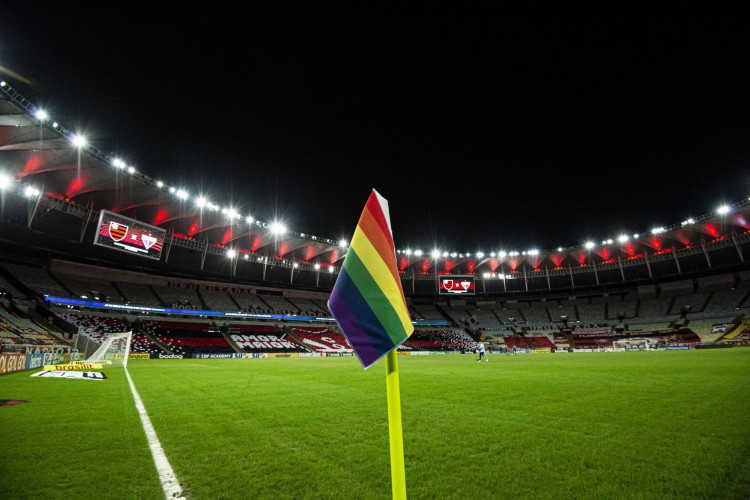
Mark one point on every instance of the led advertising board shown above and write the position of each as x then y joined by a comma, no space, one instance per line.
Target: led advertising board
456,284
129,235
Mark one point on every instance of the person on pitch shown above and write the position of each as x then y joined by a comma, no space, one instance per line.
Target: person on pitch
482,353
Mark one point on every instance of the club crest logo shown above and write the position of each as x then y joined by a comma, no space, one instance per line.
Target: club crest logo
117,231
448,284
148,241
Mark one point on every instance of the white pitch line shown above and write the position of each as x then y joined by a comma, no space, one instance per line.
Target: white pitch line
169,483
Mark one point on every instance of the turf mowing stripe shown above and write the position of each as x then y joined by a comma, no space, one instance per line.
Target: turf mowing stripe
169,482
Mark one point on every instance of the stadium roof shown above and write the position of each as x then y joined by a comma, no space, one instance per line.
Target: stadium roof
41,158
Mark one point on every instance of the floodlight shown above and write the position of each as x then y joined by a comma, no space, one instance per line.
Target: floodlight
418,253
277,228
533,252
31,191
343,244
131,170
41,115
480,255
722,210
622,238
559,249
589,245
5,181
317,267
201,201
118,163
249,219
159,184
436,254
79,141
502,254
231,253
657,230
182,194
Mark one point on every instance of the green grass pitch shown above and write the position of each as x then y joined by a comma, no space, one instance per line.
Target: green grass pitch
591,425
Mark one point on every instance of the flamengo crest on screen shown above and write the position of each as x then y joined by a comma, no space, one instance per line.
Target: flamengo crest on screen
129,235
456,285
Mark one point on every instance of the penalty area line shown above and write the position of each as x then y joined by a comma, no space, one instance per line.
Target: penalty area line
169,483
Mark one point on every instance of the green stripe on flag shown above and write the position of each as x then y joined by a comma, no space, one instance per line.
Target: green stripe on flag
383,309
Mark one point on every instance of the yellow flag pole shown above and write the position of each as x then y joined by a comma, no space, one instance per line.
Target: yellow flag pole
398,474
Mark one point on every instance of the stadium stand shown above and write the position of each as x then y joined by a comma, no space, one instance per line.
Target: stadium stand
135,293
429,311
90,288
321,339
278,305
263,338
251,303
18,331
537,314
217,300
179,298
37,279
186,338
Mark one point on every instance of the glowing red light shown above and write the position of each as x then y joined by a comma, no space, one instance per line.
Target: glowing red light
75,186
193,229
402,263
160,216
227,237
32,164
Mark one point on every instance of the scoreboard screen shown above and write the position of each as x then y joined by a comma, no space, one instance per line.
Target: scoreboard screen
129,235
456,285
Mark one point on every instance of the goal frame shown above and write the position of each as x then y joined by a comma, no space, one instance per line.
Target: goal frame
101,354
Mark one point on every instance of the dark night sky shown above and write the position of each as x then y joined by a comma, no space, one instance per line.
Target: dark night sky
485,130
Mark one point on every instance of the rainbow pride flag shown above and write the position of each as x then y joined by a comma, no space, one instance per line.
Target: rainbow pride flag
367,299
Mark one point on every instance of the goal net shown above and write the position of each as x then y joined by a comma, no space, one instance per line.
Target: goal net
114,350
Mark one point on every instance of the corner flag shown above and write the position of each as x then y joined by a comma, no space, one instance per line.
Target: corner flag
369,305
367,299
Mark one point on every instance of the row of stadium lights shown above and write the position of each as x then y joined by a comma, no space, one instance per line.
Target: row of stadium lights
233,254
279,229
589,245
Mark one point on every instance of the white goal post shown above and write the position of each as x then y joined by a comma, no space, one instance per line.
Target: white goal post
114,350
